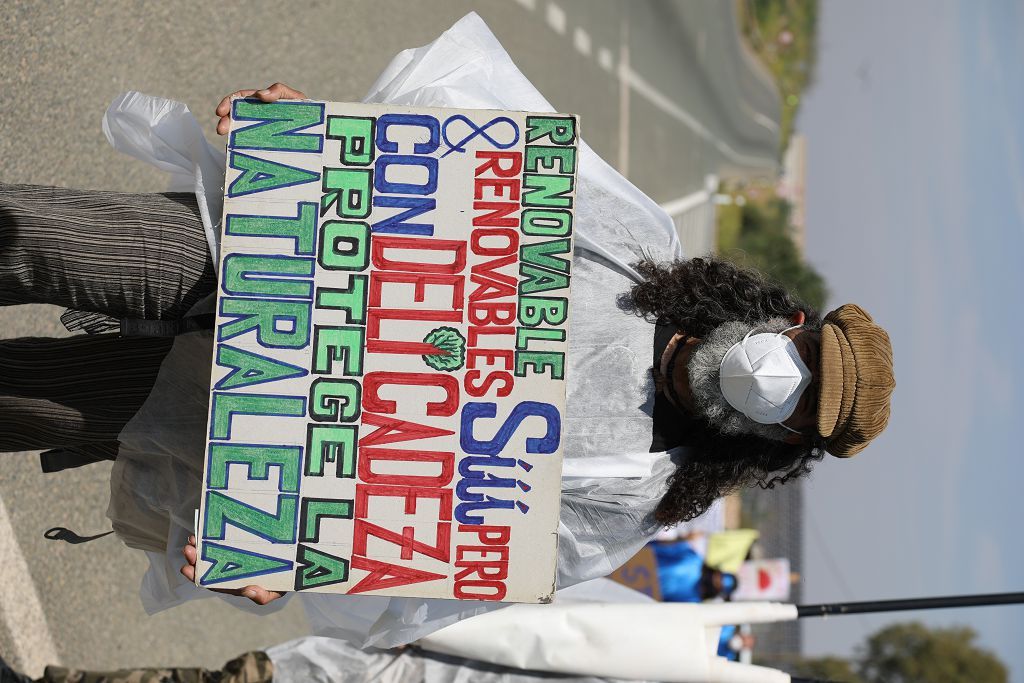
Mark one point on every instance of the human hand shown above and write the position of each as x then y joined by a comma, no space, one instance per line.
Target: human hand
278,91
258,594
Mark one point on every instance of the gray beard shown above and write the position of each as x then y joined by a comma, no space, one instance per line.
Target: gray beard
704,380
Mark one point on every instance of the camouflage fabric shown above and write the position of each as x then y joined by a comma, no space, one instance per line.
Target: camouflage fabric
252,667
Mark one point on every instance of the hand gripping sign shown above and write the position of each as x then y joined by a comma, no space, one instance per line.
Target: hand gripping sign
389,369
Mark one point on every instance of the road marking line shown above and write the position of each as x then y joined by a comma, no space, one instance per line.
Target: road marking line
581,41
20,609
528,4
556,18
624,99
760,119
659,100
631,80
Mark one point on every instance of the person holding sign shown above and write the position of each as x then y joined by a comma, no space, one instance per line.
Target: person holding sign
747,387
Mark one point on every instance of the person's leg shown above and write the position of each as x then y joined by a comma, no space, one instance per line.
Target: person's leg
9,675
57,393
252,667
117,254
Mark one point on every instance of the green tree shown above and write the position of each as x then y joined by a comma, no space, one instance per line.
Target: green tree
834,669
909,653
913,653
765,242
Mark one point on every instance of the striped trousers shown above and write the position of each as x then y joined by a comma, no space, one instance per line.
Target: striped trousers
104,256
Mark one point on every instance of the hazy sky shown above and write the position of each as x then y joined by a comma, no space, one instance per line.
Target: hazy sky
915,210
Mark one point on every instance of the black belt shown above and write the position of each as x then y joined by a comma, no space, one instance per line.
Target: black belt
137,327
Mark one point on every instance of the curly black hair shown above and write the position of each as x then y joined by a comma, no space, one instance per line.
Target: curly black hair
696,296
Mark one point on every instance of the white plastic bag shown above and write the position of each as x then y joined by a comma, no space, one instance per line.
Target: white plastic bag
164,133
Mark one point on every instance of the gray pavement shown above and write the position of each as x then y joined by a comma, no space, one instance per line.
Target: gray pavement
664,92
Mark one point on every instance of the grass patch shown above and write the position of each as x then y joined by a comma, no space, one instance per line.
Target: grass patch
784,34
758,235
730,223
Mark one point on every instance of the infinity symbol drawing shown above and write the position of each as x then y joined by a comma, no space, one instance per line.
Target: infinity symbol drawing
478,131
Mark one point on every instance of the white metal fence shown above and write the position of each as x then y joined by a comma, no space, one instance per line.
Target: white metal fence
695,219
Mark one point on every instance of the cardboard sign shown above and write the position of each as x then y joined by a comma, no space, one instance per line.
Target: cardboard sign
640,574
389,370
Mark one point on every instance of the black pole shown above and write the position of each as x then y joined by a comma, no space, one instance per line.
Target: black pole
912,604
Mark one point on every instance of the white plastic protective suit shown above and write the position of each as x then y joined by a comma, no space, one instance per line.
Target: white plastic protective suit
324,660
611,483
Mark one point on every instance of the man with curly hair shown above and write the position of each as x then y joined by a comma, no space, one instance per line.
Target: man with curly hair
706,312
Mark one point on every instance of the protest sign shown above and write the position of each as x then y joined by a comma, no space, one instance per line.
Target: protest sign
763,580
388,377
640,573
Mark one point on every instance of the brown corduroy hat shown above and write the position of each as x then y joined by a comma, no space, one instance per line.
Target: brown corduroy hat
856,380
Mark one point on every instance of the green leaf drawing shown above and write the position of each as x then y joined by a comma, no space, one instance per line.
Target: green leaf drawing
451,349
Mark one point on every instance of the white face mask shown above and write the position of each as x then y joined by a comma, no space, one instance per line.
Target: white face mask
763,377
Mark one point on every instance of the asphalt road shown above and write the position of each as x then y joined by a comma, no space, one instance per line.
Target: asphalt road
665,92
